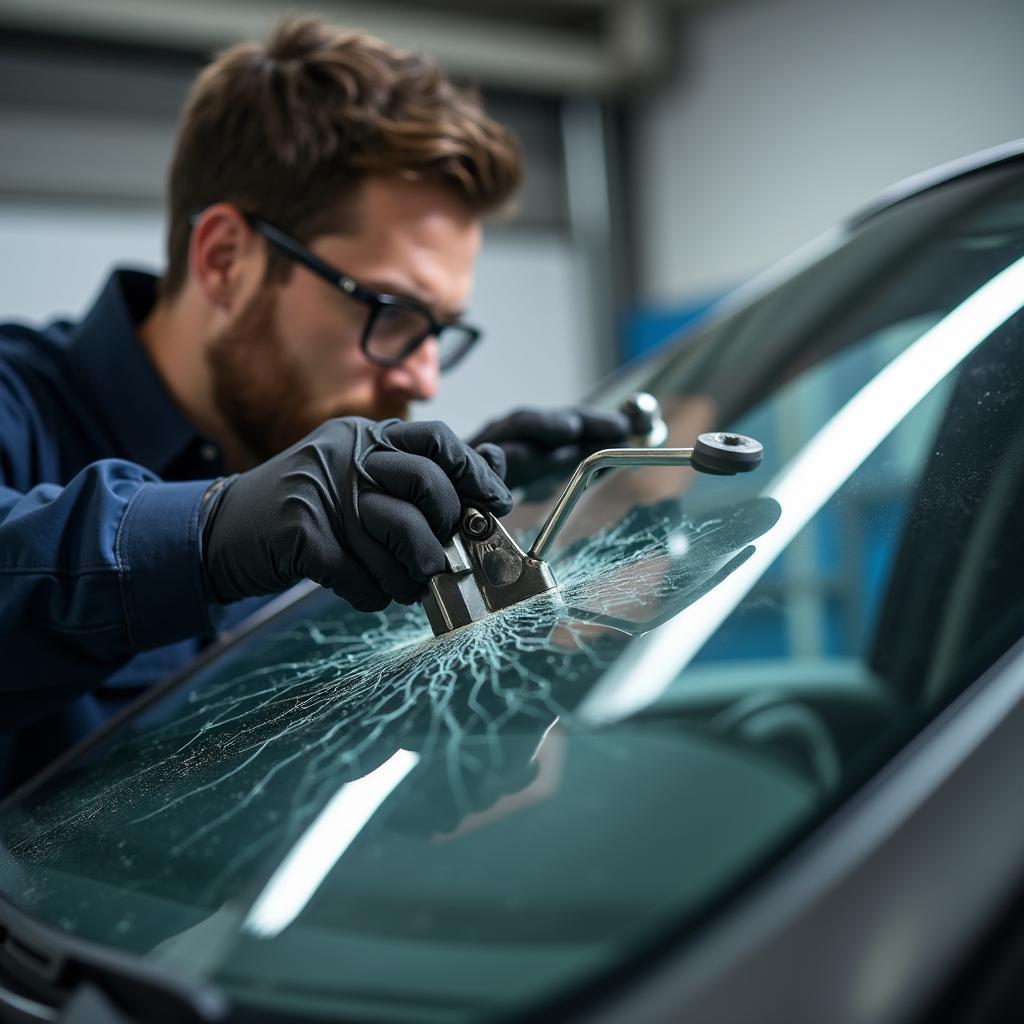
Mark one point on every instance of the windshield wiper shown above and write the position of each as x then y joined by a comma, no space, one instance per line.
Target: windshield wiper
48,976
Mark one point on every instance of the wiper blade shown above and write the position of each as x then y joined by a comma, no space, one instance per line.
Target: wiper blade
46,975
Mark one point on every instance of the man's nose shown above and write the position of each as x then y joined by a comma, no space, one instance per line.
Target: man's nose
416,379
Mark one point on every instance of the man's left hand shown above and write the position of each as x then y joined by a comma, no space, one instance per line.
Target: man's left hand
543,442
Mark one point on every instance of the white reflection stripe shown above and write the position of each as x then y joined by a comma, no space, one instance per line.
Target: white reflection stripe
299,875
648,667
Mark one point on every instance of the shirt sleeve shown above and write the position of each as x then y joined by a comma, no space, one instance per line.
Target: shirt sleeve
99,569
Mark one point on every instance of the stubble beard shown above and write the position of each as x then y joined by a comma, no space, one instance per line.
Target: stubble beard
260,390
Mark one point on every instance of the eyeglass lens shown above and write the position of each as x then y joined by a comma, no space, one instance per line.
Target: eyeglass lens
395,328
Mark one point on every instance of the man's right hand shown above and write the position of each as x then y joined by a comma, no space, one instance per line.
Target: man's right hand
362,508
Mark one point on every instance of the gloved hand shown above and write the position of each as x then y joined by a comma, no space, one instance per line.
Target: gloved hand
541,442
362,508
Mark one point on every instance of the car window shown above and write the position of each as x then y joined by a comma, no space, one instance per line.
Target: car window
344,816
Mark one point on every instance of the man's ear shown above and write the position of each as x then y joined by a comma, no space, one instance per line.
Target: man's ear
226,257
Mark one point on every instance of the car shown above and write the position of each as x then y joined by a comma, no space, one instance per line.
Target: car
753,759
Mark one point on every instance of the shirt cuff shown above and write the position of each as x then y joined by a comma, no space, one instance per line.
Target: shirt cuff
160,564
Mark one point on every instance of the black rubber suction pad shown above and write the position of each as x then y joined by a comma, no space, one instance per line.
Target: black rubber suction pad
725,454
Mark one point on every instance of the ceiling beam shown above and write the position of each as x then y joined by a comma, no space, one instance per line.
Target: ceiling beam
506,54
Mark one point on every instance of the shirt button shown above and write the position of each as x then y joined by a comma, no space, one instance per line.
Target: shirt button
209,453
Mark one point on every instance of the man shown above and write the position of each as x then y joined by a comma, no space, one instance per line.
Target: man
237,426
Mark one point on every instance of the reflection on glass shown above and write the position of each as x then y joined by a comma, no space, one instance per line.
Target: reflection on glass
320,847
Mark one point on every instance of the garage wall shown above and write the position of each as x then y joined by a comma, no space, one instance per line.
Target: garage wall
784,115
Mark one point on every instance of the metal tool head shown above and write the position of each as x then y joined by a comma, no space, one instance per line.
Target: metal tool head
487,571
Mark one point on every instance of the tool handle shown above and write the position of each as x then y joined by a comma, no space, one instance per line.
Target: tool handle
609,458
722,454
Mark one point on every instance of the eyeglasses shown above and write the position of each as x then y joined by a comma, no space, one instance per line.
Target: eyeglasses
395,325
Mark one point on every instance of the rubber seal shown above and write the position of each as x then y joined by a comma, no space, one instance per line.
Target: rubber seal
725,454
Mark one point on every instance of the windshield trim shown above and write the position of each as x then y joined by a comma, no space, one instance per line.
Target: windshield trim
52,955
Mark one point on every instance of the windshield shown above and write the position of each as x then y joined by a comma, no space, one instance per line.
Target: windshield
345,817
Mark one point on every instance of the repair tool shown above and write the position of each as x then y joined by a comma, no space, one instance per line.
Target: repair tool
488,570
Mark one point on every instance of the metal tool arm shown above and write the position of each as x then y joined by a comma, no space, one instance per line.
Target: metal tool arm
609,458
720,454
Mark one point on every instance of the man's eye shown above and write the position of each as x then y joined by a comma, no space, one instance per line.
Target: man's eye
399,320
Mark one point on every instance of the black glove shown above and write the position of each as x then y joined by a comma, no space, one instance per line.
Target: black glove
360,507
540,442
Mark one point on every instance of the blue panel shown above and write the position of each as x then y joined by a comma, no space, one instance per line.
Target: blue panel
646,327
755,634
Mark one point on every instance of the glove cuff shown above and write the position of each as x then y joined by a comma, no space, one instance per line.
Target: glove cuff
208,507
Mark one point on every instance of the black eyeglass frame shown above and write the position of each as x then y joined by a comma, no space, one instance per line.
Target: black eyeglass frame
374,300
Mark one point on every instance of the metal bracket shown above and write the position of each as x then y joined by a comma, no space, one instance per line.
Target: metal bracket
487,571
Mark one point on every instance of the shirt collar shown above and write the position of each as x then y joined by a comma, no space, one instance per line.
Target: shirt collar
111,365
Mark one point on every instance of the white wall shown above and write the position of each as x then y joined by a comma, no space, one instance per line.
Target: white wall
788,114
530,298
527,295
56,256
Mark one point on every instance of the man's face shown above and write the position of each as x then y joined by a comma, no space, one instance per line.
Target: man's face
292,358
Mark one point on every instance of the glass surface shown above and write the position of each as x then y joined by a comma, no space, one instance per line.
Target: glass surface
345,817
393,327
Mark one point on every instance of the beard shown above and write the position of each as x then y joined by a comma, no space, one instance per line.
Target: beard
261,391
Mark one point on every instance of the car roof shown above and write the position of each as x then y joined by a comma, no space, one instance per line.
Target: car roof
961,167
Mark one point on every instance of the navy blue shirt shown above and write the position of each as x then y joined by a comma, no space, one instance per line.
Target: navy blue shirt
101,479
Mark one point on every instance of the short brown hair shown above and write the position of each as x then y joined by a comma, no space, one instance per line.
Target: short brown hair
289,130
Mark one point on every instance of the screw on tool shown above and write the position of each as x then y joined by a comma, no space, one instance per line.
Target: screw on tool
475,524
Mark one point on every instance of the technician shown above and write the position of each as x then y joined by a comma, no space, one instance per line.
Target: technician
241,423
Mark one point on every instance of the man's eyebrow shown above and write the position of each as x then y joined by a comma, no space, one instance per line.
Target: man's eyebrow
405,292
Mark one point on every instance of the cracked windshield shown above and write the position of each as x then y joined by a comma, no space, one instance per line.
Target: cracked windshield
345,815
